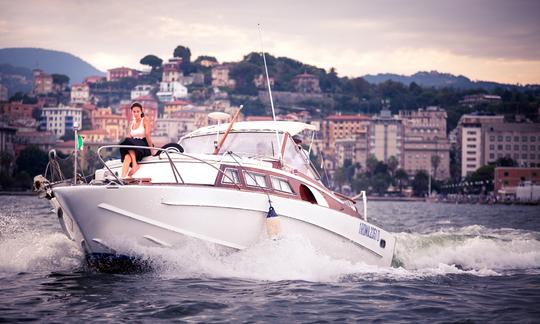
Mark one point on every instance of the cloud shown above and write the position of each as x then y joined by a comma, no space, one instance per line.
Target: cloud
484,39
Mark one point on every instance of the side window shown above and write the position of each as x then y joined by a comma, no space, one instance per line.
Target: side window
255,179
230,175
281,185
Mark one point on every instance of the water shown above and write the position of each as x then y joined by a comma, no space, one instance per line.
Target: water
453,263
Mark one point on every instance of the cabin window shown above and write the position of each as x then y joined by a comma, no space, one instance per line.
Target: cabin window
255,179
281,185
230,175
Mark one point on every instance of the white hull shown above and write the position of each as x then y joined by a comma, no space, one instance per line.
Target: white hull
110,219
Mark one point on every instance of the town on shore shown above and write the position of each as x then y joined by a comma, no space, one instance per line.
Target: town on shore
471,148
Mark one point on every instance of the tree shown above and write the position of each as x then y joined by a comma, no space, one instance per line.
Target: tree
339,177
420,183
380,183
183,52
60,79
402,177
32,160
393,164
5,161
371,163
151,60
435,162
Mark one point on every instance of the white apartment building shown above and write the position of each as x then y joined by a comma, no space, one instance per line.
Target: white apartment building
59,119
386,137
170,91
141,90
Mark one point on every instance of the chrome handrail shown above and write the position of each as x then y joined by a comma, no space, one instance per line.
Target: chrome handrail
166,150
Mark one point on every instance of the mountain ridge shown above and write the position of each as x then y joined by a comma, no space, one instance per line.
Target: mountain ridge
50,61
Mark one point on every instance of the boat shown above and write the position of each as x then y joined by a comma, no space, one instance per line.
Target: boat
229,185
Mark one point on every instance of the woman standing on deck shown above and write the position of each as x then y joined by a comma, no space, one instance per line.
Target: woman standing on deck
138,135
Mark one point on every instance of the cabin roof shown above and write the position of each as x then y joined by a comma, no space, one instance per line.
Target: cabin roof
292,128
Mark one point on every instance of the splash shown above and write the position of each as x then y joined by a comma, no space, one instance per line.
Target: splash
472,249
28,247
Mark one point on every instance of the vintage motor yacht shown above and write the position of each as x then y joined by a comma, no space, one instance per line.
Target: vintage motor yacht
228,185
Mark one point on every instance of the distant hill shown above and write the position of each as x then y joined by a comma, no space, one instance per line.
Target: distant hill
437,80
49,61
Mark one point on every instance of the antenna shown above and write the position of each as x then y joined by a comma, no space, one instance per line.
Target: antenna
269,88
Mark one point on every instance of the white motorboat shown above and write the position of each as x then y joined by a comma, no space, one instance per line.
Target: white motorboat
217,194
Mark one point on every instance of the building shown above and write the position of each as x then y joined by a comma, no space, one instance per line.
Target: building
220,77
336,127
3,93
60,119
42,83
521,142
116,126
478,99
175,106
80,93
171,71
471,140
16,110
424,136
306,83
386,137
93,79
260,81
97,136
506,178
7,139
208,62
120,73
44,140
170,91
173,128
141,90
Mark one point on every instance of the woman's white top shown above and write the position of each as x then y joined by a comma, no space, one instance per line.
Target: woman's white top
139,131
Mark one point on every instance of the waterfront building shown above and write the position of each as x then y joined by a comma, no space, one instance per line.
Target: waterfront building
16,110
93,79
508,181
60,119
177,105
45,141
7,138
519,141
386,137
424,132
478,99
116,126
471,140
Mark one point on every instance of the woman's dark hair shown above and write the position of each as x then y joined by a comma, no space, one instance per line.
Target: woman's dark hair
137,104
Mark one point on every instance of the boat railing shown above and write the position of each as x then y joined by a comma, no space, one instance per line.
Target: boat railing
168,150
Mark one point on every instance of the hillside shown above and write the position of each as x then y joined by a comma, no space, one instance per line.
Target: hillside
49,61
437,80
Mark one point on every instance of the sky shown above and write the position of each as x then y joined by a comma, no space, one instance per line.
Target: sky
493,40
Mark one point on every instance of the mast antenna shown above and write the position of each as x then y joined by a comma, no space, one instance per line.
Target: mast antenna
269,89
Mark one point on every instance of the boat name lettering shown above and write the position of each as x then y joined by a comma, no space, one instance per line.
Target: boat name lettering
369,231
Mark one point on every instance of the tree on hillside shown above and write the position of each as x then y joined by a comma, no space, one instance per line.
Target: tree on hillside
183,52
60,79
152,61
23,97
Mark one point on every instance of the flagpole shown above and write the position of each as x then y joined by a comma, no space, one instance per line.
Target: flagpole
75,129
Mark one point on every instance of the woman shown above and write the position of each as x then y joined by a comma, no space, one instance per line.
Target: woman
138,135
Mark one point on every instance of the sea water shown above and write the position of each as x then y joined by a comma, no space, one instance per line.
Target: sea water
453,263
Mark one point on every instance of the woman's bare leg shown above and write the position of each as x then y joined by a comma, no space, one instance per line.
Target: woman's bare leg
134,164
125,166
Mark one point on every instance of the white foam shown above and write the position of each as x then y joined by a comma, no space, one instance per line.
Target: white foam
33,251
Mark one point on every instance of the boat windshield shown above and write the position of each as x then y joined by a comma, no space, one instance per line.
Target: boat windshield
243,143
252,144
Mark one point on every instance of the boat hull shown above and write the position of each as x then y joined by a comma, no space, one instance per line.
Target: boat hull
118,220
